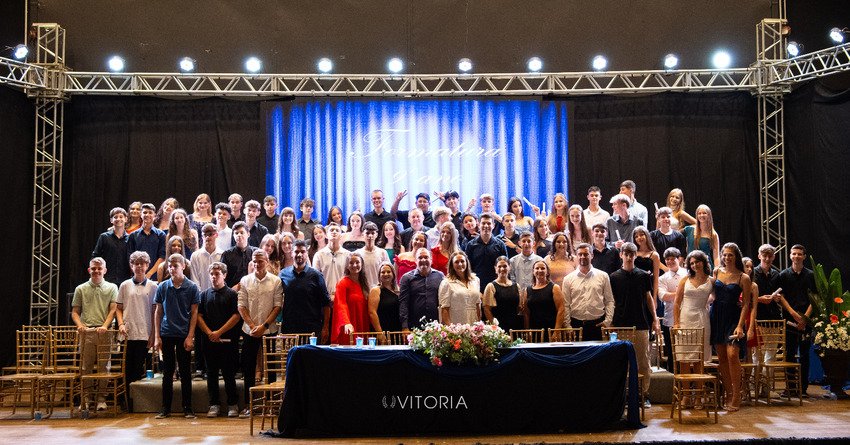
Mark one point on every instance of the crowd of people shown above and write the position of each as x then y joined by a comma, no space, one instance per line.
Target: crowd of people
230,272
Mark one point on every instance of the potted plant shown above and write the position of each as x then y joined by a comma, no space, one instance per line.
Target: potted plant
830,323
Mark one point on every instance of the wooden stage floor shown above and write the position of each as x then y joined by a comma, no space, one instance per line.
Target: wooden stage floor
818,417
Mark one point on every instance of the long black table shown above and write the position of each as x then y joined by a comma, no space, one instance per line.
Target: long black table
395,390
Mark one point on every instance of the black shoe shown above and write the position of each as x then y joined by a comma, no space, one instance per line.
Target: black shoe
189,414
163,414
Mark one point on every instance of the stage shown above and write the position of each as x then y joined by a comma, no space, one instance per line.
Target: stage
817,418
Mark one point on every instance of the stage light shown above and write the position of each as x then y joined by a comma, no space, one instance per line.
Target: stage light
794,49
837,35
721,59
21,52
464,65
671,61
600,63
325,65
395,65
253,64
116,64
187,64
535,64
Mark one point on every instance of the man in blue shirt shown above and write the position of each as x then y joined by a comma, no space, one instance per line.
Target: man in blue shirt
148,239
177,301
418,293
306,304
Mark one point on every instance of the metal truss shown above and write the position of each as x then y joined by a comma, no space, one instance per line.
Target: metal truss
47,177
809,66
47,202
772,173
771,127
21,74
524,84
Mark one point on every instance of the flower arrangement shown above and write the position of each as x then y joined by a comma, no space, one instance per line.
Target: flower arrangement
460,343
830,319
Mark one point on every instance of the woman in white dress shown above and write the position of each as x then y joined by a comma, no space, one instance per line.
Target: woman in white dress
460,293
695,294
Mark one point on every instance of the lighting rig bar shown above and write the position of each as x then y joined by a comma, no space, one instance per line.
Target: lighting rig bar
809,66
21,74
341,85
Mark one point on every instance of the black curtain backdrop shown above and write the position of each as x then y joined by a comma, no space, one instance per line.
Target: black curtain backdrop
17,127
817,153
704,144
120,150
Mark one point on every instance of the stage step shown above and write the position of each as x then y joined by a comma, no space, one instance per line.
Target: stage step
146,395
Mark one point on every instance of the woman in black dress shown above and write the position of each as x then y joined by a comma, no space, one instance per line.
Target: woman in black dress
648,259
544,301
501,299
383,303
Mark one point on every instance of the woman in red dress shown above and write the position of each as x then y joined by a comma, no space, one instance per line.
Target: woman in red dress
351,305
441,253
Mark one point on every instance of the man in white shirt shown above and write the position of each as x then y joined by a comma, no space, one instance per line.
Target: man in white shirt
135,313
668,285
594,214
588,300
522,265
372,256
636,209
203,257
259,302
441,216
225,234
332,259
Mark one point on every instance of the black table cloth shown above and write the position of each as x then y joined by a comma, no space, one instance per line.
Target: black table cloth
395,390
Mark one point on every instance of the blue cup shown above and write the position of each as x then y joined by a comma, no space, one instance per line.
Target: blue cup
612,336
313,341
359,341
150,374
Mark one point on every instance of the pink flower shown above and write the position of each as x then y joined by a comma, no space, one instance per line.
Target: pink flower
833,319
437,361
839,300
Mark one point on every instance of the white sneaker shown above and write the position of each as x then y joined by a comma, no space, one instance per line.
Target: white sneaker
233,411
214,411
101,406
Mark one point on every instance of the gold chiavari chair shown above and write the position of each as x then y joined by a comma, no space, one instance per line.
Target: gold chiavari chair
692,387
565,334
527,335
778,370
31,353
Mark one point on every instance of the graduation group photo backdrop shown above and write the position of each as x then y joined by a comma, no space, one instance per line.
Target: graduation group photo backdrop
337,152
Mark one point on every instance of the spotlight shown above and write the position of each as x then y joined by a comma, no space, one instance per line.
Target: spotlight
671,61
465,65
721,59
116,64
600,63
535,64
21,52
325,65
395,65
253,64
794,49
837,35
187,64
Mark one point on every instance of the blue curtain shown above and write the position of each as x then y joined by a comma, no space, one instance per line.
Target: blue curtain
337,152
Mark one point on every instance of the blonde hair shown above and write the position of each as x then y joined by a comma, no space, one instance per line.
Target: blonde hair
708,231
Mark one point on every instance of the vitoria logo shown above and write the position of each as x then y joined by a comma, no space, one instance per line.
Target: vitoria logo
424,402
